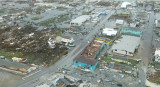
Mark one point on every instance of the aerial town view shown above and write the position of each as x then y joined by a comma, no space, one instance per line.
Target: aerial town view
79,43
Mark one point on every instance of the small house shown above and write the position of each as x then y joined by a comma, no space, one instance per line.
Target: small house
157,55
119,22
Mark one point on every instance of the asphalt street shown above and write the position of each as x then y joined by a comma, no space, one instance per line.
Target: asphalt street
145,49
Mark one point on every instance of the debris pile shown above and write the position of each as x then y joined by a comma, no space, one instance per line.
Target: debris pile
31,42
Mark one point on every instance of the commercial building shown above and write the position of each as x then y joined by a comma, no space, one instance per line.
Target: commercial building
88,58
109,32
80,20
126,45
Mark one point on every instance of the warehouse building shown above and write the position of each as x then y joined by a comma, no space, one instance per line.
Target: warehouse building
126,45
80,20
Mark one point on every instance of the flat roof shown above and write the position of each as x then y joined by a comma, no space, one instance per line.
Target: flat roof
85,60
109,31
124,4
81,19
128,43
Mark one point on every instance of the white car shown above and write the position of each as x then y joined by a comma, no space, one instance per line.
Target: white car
139,81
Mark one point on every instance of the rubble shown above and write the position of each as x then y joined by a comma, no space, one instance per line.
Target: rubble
29,41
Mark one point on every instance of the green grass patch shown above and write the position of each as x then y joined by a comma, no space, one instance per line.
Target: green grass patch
133,62
2,11
62,18
155,78
155,63
10,54
47,22
109,59
37,17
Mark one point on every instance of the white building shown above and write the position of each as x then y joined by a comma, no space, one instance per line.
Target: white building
125,4
119,22
109,32
80,20
126,45
157,55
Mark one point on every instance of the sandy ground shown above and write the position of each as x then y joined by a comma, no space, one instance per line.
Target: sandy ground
7,79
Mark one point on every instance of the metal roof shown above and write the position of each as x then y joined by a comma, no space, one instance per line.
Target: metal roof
109,32
81,19
128,43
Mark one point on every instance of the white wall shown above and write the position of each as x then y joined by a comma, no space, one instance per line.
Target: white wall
122,52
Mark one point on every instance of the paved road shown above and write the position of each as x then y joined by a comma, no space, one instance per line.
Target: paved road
145,50
68,60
